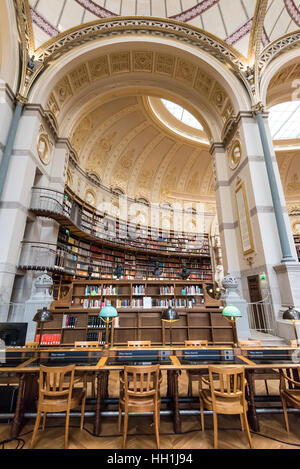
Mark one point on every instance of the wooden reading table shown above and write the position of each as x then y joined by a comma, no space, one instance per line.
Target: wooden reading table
24,364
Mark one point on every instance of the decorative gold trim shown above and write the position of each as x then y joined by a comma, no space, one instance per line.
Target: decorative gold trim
234,159
44,153
241,187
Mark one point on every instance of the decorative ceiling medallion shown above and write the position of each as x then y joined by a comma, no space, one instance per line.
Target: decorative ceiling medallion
43,148
90,197
235,155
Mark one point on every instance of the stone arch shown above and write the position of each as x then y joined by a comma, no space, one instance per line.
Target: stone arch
9,46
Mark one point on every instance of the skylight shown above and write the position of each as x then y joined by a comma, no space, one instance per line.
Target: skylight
182,114
284,120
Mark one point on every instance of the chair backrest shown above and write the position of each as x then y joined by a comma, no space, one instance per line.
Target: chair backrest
139,343
230,382
250,343
56,382
289,379
31,344
195,343
90,344
141,381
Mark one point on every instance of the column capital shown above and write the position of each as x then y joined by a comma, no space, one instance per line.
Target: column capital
215,146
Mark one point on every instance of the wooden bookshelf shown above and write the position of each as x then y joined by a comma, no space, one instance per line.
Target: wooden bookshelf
74,255
139,306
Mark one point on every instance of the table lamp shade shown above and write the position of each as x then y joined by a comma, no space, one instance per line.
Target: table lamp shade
108,312
291,314
231,311
43,316
169,315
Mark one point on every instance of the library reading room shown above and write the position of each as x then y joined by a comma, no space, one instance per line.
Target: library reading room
149,253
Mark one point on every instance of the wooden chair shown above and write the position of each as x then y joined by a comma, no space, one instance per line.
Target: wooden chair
259,375
228,398
294,342
289,391
193,376
88,378
86,344
140,392
139,343
57,394
31,344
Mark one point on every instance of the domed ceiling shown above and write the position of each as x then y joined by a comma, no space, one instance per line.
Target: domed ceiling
129,148
229,20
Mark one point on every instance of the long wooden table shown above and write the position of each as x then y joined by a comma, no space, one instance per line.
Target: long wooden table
100,362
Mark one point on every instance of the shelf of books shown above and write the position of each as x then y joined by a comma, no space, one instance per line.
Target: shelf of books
86,222
139,305
74,256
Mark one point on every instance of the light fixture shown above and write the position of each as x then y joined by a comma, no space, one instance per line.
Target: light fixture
230,313
107,314
291,314
170,315
40,318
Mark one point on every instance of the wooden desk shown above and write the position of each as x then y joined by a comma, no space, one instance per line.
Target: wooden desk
27,371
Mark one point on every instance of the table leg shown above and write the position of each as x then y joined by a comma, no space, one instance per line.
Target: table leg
175,397
99,395
252,415
19,412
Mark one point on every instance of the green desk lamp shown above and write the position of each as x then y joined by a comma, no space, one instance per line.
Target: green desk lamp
230,313
107,314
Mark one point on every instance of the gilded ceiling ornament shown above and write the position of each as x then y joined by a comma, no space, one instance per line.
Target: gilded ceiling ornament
99,67
120,63
294,186
127,159
52,105
63,90
142,61
185,70
79,77
165,64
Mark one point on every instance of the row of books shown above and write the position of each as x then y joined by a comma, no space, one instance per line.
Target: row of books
69,322
92,290
95,322
166,290
96,337
90,303
48,339
138,290
110,290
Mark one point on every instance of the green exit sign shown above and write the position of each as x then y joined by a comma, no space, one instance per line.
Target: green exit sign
262,277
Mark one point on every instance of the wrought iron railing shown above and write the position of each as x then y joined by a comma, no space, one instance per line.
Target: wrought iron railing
261,316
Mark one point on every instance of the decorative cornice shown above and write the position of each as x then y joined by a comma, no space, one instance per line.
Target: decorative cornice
45,115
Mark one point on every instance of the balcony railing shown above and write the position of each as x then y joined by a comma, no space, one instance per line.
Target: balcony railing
111,230
41,256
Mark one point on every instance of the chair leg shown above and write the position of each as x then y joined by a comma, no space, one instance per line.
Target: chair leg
44,420
267,389
247,429
120,419
190,386
36,427
82,411
156,424
242,422
125,429
215,418
67,429
202,414
286,419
